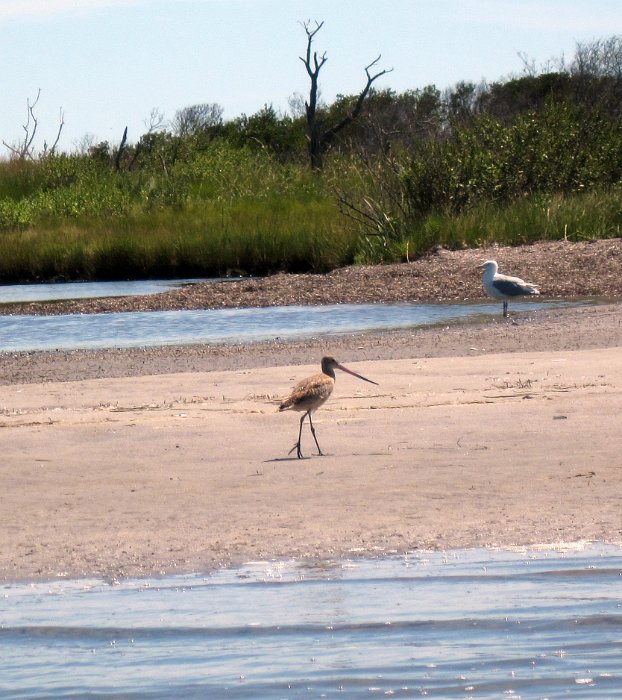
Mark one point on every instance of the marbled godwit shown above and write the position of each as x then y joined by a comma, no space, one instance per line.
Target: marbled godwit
309,394
504,287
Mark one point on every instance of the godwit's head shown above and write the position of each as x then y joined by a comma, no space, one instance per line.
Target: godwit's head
330,364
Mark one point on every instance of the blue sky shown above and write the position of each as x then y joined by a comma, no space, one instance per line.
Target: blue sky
109,63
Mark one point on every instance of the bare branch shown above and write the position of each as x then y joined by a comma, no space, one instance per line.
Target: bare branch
155,122
317,63
13,150
27,147
372,78
61,124
319,140
367,218
330,134
24,149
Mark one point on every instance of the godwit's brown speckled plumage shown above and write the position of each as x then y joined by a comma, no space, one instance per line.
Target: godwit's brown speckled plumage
311,393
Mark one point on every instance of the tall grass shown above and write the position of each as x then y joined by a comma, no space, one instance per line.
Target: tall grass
252,236
228,209
577,217
202,239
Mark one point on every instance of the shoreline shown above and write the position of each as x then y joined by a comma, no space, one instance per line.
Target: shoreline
596,548
561,269
587,327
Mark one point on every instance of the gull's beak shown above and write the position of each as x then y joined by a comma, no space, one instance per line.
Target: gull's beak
354,374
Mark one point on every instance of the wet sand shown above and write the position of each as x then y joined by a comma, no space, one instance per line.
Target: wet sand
124,463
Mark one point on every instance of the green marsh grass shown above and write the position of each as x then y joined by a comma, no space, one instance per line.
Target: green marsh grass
260,236
578,217
200,239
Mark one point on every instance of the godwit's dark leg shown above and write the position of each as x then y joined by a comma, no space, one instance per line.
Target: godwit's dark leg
297,445
505,309
319,449
302,420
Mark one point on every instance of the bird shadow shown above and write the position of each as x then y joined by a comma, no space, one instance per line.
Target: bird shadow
293,459
283,459
325,454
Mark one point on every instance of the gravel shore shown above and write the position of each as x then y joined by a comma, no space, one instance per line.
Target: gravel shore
561,269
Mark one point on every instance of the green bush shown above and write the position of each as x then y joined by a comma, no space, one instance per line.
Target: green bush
563,149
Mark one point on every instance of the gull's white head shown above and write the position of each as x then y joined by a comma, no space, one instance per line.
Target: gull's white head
489,266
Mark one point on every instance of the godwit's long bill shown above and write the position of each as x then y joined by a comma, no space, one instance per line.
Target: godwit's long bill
311,393
504,287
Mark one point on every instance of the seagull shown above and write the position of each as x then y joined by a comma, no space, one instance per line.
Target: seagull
504,287
313,392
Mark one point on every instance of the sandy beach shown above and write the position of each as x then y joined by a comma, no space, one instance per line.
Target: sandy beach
500,433
185,471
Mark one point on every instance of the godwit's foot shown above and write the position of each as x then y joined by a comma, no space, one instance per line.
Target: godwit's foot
298,450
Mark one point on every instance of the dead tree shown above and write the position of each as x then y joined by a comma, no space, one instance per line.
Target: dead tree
25,149
319,139
117,159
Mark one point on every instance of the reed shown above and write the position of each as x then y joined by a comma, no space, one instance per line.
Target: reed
588,216
202,239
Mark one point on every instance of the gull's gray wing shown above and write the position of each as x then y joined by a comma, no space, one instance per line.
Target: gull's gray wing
513,287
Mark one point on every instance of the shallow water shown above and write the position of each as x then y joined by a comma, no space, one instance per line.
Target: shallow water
137,329
56,291
473,623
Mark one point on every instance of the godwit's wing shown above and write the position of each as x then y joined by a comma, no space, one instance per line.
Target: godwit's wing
309,394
